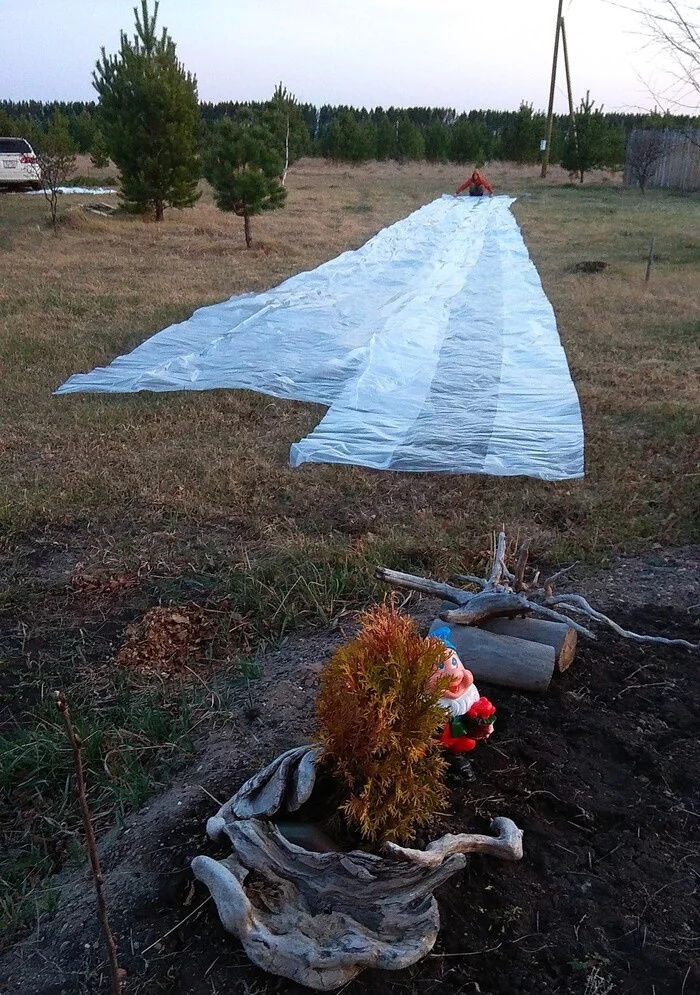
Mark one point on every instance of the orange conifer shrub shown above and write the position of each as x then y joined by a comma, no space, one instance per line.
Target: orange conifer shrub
378,718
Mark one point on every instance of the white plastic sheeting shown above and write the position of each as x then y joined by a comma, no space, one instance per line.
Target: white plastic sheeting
433,345
83,191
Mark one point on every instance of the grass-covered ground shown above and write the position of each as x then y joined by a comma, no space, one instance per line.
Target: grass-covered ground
191,497
137,467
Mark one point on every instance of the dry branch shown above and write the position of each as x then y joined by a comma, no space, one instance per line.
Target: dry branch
408,582
521,564
486,604
495,604
574,602
76,745
508,594
471,579
498,560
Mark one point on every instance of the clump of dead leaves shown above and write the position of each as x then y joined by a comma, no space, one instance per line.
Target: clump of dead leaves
92,580
170,641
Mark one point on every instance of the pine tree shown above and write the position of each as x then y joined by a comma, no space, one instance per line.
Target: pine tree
99,153
149,113
284,119
366,141
6,124
244,167
470,141
437,142
597,143
386,136
409,140
25,128
520,139
83,128
331,140
348,139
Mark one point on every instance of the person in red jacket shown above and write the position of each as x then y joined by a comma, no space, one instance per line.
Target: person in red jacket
477,185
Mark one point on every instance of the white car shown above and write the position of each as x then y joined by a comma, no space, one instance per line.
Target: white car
18,164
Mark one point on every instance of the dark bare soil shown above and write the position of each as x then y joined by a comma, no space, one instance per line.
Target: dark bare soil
601,773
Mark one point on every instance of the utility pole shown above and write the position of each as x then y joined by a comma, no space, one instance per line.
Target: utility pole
572,113
550,111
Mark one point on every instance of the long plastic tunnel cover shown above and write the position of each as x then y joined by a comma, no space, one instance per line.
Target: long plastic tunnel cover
433,345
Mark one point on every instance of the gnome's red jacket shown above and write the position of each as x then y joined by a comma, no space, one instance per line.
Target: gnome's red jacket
461,734
476,180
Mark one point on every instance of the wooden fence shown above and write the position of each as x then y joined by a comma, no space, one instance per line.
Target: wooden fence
672,158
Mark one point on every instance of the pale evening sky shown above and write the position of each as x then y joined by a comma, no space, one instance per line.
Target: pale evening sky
449,53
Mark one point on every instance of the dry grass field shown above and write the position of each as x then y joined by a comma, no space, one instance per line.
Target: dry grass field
139,469
191,495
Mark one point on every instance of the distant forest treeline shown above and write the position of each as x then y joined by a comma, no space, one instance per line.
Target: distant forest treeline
352,135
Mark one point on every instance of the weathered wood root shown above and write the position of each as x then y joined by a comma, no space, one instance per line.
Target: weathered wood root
435,589
321,918
508,845
500,605
575,603
283,786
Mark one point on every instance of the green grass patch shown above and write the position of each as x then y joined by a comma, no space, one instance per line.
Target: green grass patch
132,738
362,208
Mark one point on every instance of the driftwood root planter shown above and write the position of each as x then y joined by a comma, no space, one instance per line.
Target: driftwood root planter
321,918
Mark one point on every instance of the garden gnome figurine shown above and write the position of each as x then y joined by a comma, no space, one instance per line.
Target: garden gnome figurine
471,715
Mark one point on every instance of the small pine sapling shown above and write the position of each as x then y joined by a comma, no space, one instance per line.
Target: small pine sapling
596,144
378,717
245,170
99,153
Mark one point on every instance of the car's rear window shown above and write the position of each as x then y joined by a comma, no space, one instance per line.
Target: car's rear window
14,145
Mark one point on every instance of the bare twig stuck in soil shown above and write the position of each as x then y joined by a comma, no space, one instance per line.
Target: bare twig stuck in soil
506,595
76,745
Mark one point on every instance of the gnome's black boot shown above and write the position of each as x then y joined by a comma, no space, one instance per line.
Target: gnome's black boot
461,767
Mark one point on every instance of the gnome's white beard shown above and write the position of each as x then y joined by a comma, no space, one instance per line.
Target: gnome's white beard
461,705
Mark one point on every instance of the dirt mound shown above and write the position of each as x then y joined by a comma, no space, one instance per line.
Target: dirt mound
600,772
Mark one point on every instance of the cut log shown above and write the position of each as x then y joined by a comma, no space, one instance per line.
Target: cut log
562,638
502,660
